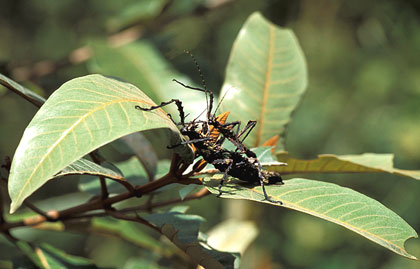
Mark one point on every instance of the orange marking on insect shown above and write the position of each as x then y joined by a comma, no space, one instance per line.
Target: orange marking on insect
221,118
272,142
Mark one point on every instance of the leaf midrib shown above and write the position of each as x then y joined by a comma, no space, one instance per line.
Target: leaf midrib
266,85
68,131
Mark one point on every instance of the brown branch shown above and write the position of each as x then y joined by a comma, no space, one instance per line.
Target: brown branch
93,204
137,218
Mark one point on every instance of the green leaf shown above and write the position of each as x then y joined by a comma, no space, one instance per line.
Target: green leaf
183,231
329,163
129,231
59,259
140,263
34,254
86,167
265,78
137,144
232,235
47,256
82,115
22,91
131,169
333,203
184,191
135,12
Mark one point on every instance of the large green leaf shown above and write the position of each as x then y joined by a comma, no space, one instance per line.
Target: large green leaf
329,163
265,78
333,203
82,115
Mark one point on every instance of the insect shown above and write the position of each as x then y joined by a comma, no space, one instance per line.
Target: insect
207,137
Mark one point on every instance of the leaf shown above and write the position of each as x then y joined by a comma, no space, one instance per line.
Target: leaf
129,231
137,144
232,235
59,259
47,256
86,167
135,12
139,263
184,191
22,91
329,163
131,169
82,115
265,78
183,231
333,203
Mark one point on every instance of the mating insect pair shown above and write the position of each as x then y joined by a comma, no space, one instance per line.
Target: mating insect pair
207,137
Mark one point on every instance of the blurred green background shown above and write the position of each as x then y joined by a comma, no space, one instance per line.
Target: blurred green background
363,96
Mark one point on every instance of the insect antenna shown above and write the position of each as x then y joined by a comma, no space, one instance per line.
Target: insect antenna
220,102
209,100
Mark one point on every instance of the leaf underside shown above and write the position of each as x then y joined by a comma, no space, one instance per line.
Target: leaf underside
333,203
86,167
82,115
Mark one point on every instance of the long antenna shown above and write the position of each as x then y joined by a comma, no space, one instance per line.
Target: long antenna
209,100
221,100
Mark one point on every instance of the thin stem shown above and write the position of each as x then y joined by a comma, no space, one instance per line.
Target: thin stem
137,218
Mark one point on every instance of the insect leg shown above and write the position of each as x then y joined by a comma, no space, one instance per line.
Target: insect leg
190,142
210,93
225,174
261,177
249,126
176,101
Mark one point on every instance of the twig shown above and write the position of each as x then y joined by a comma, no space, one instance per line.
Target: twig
49,216
137,218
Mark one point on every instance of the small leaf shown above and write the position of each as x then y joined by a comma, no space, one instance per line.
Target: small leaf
86,167
183,231
232,235
129,231
329,163
183,192
333,203
59,259
265,78
132,13
47,256
82,115
22,91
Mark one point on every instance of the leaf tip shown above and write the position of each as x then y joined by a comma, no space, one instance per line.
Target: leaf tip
14,206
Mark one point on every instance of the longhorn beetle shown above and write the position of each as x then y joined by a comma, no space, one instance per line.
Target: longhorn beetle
241,163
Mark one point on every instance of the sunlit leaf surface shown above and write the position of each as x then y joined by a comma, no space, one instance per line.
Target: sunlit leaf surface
333,203
265,78
82,115
329,163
